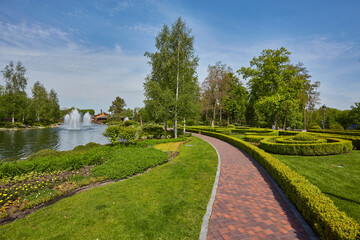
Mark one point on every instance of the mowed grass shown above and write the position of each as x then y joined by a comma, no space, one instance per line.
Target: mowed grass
167,202
239,136
168,147
338,176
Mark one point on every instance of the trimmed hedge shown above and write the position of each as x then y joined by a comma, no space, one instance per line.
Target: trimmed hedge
288,133
263,133
318,210
340,132
290,140
355,139
254,138
332,147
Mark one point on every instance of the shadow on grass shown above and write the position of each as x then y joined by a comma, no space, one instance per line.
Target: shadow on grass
342,198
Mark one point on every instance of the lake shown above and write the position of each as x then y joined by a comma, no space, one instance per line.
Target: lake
21,144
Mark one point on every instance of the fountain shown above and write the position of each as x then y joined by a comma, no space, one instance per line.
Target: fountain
87,119
73,120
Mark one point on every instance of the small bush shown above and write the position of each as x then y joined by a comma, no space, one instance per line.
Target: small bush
304,137
314,126
190,122
336,126
231,126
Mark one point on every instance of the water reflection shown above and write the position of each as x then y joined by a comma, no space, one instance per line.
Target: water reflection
20,144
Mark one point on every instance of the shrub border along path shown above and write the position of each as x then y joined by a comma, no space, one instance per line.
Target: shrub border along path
318,210
247,204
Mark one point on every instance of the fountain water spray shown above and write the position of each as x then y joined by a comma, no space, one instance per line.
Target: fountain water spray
73,120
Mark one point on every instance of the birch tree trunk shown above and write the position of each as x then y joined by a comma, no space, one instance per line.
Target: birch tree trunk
214,116
177,89
184,127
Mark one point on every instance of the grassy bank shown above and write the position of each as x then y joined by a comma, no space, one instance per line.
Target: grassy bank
166,203
337,176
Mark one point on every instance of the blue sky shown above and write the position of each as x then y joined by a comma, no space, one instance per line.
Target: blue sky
92,51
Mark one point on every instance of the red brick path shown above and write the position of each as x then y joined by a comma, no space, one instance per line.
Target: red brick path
247,205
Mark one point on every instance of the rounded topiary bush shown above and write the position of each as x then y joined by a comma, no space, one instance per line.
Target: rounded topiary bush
316,147
262,132
304,137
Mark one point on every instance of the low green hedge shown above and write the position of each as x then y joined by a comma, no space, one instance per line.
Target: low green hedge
254,138
263,133
317,209
288,133
332,147
354,139
341,132
290,140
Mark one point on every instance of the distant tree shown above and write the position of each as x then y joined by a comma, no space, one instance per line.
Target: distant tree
15,85
275,84
54,106
236,99
3,103
129,113
117,108
172,88
40,100
355,113
215,88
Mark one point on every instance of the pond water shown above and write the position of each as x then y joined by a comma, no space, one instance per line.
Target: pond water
21,144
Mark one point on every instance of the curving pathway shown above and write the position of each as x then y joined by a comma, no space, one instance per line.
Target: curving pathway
248,204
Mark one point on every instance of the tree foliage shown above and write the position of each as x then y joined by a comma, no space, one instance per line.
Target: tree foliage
171,89
117,108
15,104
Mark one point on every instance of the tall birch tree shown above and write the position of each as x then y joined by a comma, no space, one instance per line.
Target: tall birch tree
172,86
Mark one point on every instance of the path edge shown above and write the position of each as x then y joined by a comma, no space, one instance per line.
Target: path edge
206,218
292,207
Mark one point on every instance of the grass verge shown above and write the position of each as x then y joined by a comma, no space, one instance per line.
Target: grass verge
337,176
166,203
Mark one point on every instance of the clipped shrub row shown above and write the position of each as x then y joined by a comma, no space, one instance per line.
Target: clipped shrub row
331,147
340,132
287,133
354,139
263,133
254,138
290,140
318,210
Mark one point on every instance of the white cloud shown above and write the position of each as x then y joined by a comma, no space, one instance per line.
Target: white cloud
335,64
82,77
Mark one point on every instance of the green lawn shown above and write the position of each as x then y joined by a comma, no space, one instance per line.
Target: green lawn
168,202
338,176
239,136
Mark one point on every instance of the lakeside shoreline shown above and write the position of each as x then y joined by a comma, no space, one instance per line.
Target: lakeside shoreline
27,128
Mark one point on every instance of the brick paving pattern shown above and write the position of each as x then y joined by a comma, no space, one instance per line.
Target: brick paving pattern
247,205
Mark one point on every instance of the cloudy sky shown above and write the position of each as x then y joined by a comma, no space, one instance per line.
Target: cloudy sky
92,51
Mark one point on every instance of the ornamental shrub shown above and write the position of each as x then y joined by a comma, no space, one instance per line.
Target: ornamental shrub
314,126
336,126
304,137
332,147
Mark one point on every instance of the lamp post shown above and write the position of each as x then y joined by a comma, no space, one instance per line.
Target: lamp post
324,108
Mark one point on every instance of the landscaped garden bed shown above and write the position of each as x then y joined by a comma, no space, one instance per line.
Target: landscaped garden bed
168,202
49,175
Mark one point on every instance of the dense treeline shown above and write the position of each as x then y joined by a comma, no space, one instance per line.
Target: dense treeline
17,109
279,94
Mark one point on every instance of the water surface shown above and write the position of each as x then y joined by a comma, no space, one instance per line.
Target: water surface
20,144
